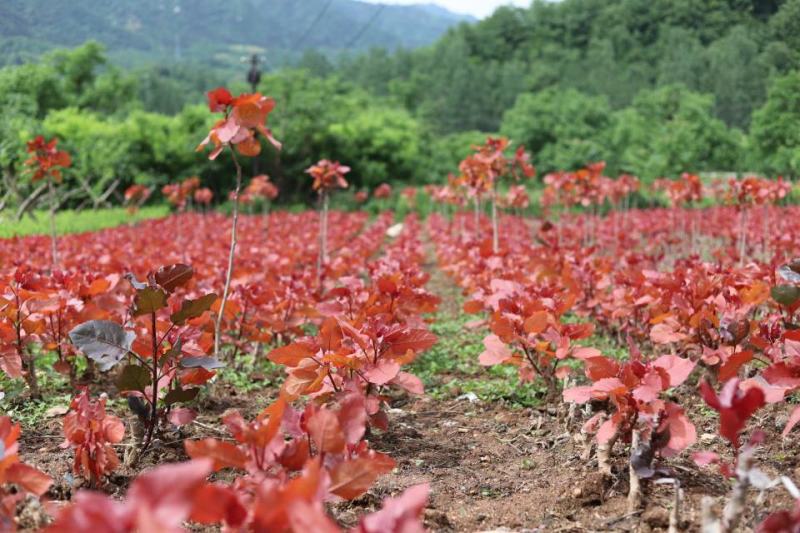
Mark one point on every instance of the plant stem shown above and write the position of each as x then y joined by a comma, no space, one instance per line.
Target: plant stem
323,236
53,237
495,236
231,254
477,214
635,485
151,424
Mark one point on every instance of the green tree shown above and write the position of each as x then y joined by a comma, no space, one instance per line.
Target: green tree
379,145
668,131
736,76
775,129
560,128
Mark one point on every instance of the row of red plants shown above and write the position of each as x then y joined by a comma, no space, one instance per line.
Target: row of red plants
713,298
165,331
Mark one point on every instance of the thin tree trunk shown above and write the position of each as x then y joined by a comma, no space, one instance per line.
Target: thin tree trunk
231,255
635,483
323,237
495,236
53,236
477,215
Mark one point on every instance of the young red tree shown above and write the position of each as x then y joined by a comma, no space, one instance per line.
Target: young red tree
91,431
328,176
244,117
166,339
46,163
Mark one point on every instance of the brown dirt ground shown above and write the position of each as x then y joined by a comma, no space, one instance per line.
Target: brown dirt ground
491,467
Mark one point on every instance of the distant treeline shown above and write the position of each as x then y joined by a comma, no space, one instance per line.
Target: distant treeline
653,87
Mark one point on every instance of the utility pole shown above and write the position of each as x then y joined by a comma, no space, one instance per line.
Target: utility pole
253,78
254,74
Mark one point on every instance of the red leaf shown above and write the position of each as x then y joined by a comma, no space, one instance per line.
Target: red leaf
794,419
224,454
291,354
219,99
409,382
29,478
351,479
496,351
399,515
182,416
164,496
682,432
730,368
305,516
606,431
537,322
382,373
598,368
353,417
577,394
677,368
326,432
215,503
417,340
705,458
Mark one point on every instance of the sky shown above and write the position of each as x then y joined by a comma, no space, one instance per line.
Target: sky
477,8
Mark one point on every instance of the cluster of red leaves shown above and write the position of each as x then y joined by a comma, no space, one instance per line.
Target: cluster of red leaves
382,191
203,196
245,116
631,393
273,291
327,468
529,319
586,187
166,497
288,456
274,296
14,472
135,196
39,309
178,194
516,198
686,190
46,160
328,175
90,431
368,332
260,187
628,281
752,190
479,172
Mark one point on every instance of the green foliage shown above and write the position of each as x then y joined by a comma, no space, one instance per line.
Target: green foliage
217,34
443,153
563,129
668,131
775,131
379,144
609,48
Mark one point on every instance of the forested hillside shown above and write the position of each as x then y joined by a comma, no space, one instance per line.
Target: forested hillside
652,87
581,80
214,33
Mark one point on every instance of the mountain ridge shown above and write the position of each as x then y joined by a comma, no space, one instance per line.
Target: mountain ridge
142,31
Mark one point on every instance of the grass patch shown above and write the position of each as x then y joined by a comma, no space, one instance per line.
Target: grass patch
69,221
450,368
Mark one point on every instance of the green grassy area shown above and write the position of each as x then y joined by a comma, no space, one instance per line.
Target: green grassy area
450,368
75,221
